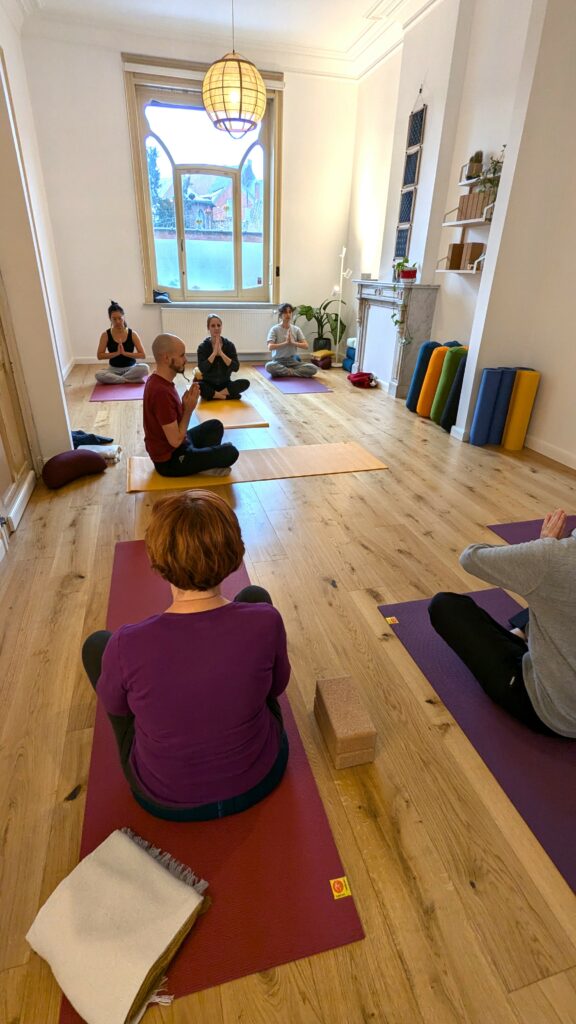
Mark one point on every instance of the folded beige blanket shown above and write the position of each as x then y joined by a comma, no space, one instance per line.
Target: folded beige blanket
112,926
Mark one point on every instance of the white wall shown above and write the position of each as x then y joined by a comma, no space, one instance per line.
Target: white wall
494,57
80,109
524,314
27,261
431,61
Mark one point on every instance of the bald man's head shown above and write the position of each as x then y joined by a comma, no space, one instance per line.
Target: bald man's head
167,345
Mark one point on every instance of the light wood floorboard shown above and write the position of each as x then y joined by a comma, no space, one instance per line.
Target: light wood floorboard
467,921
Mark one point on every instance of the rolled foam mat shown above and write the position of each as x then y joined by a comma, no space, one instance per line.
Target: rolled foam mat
451,363
430,382
537,772
422,361
269,869
520,410
485,402
450,413
501,404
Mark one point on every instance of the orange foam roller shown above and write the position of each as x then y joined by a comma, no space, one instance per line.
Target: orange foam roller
520,409
431,379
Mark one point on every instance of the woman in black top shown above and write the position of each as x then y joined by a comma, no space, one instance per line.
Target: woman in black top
217,361
122,347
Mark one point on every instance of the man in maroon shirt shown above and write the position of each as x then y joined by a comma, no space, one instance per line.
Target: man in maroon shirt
175,449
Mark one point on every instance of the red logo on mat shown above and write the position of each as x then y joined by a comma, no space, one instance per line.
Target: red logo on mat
340,887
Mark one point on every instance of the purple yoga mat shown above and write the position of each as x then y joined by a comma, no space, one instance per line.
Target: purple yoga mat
537,772
118,392
529,529
294,385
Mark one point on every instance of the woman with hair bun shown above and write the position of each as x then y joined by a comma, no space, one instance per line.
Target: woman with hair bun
192,693
122,347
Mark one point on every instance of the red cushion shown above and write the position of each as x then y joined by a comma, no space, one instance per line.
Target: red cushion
67,466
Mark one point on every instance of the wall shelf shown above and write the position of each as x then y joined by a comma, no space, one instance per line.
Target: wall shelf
442,270
466,223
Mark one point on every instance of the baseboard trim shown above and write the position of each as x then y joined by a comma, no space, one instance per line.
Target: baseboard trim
460,433
552,451
16,509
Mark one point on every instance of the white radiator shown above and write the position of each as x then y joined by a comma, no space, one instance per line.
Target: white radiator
246,328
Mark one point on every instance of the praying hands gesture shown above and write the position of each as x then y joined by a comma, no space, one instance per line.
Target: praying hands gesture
554,524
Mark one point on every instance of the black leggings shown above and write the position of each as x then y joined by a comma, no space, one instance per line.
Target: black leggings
123,727
201,450
234,388
492,653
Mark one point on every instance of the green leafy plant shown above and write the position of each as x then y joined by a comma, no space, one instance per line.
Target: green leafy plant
325,321
490,178
402,264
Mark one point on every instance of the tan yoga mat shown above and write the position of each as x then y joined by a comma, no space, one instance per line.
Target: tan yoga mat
261,464
232,413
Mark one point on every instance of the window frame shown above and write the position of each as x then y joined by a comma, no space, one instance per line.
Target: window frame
171,88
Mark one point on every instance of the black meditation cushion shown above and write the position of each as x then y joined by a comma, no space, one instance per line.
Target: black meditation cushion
67,466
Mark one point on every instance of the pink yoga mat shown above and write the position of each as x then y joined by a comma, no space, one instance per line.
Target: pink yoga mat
294,385
528,529
269,868
537,772
118,392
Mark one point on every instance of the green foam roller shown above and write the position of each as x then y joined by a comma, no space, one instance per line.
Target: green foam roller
454,357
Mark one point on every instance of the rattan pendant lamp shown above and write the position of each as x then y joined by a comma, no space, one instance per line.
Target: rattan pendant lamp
233,93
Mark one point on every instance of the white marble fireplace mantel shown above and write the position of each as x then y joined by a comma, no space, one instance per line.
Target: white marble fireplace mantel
386,348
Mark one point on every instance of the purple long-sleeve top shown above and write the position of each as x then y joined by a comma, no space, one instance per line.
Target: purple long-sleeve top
197,686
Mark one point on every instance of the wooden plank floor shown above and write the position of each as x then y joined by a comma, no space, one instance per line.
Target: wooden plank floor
467,920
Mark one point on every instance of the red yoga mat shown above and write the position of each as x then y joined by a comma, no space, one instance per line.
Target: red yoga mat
269,869
118,392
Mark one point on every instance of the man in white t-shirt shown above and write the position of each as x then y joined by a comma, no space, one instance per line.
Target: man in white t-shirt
284,342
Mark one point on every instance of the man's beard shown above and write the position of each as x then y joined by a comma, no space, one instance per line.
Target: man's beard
180,369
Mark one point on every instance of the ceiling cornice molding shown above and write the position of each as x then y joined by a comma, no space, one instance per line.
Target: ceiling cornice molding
381,32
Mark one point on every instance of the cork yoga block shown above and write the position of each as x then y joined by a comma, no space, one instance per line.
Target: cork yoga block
345,724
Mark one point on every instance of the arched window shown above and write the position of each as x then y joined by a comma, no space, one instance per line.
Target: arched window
208,201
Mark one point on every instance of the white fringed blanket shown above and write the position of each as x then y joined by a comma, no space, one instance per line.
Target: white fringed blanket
112,926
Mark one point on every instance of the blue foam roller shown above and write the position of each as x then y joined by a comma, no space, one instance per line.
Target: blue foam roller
347,364
452,344
424,356
448,418
501,404
485,403
350,352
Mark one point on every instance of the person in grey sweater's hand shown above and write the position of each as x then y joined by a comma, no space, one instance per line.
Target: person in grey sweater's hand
533,679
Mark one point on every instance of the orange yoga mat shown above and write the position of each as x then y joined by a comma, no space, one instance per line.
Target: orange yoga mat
428,392
520,409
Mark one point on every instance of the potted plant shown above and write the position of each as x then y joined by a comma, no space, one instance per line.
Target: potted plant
489,183
326,322
474,169
404,271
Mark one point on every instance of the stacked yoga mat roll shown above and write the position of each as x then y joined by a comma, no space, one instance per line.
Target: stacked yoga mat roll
505,397
504,406
437,382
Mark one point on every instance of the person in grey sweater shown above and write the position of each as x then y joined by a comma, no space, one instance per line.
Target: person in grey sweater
285,341
533,678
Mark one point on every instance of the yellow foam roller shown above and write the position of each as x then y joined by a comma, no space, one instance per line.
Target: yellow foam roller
430,383
520,409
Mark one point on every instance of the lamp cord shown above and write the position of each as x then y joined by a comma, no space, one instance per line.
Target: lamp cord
233,36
